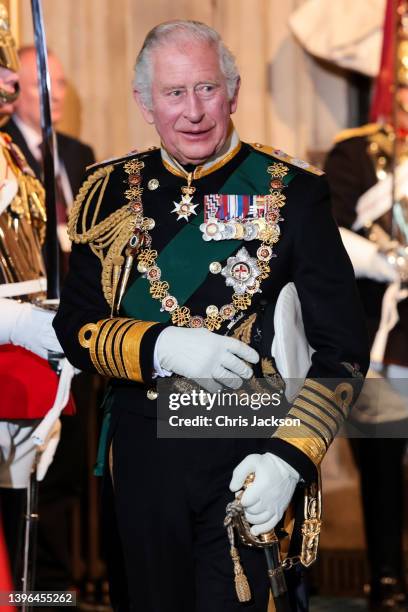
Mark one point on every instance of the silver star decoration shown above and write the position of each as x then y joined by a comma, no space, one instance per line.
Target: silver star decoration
185,202
249,263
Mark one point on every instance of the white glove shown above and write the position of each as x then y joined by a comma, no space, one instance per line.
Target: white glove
367,261
48,450
205,357
267,497
28,326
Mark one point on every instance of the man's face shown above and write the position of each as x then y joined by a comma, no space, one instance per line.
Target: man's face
190,106
27,106
8,82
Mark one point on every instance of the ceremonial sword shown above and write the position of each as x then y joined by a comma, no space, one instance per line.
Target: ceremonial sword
52,270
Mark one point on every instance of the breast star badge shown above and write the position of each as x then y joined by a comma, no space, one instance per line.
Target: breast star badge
184,208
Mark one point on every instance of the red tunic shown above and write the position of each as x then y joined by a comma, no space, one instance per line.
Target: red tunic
28,385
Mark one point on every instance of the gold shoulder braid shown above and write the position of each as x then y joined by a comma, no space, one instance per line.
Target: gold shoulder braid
106,239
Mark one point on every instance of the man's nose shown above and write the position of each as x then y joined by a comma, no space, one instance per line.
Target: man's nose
193,110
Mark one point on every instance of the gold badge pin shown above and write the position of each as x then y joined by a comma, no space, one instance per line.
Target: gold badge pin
153,184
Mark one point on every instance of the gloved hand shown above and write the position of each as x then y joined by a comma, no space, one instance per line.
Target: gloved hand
267,497
367,261
28,326
205,357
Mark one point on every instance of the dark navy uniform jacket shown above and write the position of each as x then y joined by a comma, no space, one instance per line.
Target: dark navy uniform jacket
309,253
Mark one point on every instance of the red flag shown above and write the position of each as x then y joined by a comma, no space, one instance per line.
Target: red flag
382,103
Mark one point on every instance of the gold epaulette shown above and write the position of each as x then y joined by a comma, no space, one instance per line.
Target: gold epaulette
118,160
282,156
363,130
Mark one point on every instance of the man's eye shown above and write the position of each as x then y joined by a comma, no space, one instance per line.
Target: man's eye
206,89
176,93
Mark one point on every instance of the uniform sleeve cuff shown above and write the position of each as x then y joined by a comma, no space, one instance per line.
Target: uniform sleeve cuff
121,347
295,457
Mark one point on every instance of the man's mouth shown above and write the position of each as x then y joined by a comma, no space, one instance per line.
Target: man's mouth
196,134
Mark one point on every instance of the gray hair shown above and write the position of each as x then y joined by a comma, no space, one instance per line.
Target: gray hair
177,30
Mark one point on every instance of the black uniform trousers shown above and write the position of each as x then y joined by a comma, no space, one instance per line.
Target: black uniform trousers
380,461
168,550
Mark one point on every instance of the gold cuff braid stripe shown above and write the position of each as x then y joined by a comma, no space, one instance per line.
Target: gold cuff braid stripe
131,349
301,412
114,346
120,331
313,447
330,423
335,412
313,385
315,426
311,437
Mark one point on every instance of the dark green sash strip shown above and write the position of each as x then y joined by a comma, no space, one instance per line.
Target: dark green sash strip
103,436
185,260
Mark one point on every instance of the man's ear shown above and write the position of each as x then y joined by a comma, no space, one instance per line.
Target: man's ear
234,99
146,112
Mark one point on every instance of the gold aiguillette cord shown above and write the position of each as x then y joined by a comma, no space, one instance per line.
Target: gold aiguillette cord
135,244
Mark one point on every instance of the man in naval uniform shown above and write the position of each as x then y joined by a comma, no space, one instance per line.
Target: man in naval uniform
28,383
210,222
359,171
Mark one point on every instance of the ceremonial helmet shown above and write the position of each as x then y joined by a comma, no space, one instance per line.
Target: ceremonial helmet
8,51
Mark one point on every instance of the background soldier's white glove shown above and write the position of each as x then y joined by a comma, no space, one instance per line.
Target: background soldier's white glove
28,326
205,357
266,499
367,261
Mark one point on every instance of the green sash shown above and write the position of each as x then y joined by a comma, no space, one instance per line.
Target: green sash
185,259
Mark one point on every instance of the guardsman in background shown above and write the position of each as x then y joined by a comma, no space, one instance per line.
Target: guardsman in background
368,174
65,480
28,383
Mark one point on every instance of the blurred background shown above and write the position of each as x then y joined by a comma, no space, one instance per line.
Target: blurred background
289,99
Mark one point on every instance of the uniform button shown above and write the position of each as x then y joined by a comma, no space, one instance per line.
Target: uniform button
152,394
153,184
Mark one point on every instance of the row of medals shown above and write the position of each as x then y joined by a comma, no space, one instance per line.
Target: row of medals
265,229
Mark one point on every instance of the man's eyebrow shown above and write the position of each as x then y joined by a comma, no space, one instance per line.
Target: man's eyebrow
207,82
203,82
171,87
